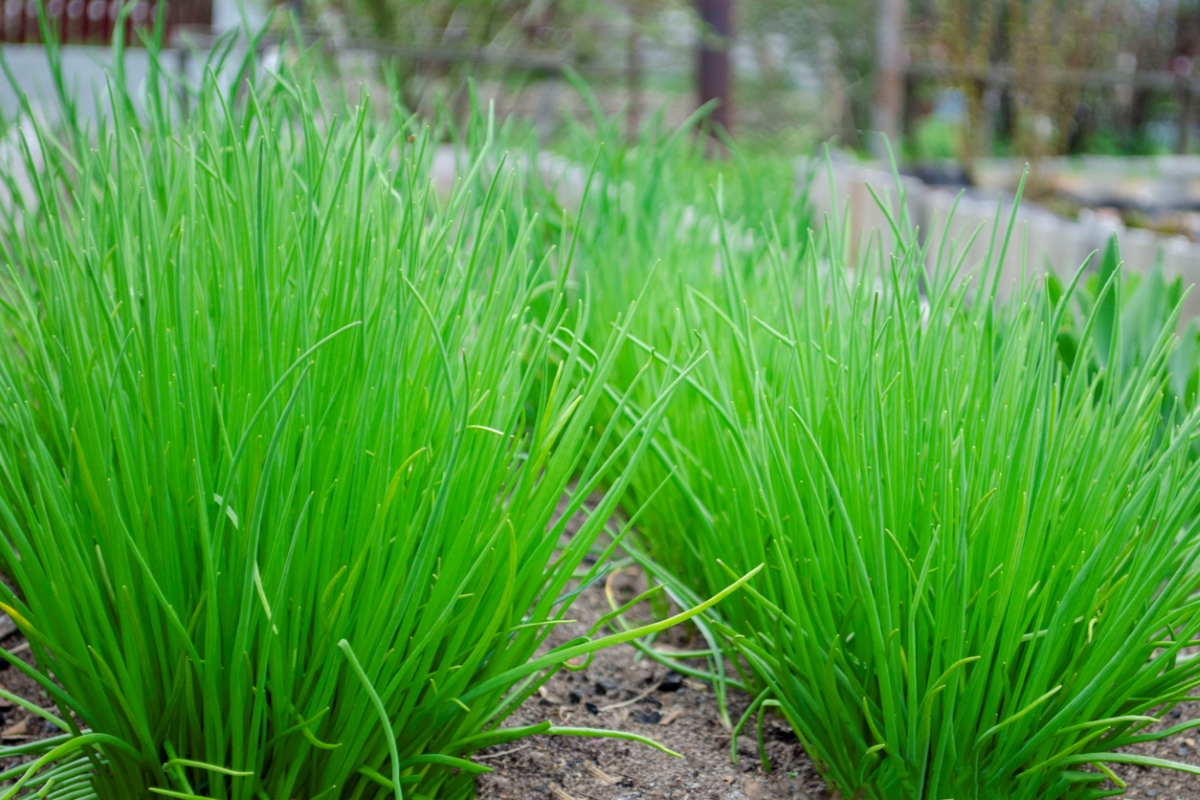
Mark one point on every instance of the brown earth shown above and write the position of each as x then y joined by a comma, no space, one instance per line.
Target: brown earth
619,691
1166,784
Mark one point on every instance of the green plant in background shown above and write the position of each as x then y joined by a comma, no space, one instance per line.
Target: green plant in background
281,447
652,222
981,561
936,139
1146,307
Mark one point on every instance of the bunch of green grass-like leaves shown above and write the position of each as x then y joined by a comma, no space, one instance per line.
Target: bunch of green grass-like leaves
981,563
281,446
653,209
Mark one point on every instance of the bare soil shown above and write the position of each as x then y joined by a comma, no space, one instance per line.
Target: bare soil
1166,784
619,691
18,726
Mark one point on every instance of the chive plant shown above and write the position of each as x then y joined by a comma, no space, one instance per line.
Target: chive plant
281,446
650,221
653,206
981,559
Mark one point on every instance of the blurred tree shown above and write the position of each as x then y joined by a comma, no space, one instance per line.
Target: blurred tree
1050,42
1029,56
889,71
829,35
1187,47
1163,36
713,79
966,39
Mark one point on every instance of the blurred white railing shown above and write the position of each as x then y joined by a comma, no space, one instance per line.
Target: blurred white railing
1041,241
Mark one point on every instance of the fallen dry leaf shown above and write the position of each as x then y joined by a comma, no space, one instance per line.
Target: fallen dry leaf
558,792
600,775
18,731
670,717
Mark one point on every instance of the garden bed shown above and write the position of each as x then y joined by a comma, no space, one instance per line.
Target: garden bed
621,691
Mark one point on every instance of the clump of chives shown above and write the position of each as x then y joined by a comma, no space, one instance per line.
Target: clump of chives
981,559
281,445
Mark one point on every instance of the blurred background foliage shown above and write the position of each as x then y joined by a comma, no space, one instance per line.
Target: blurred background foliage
980,77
